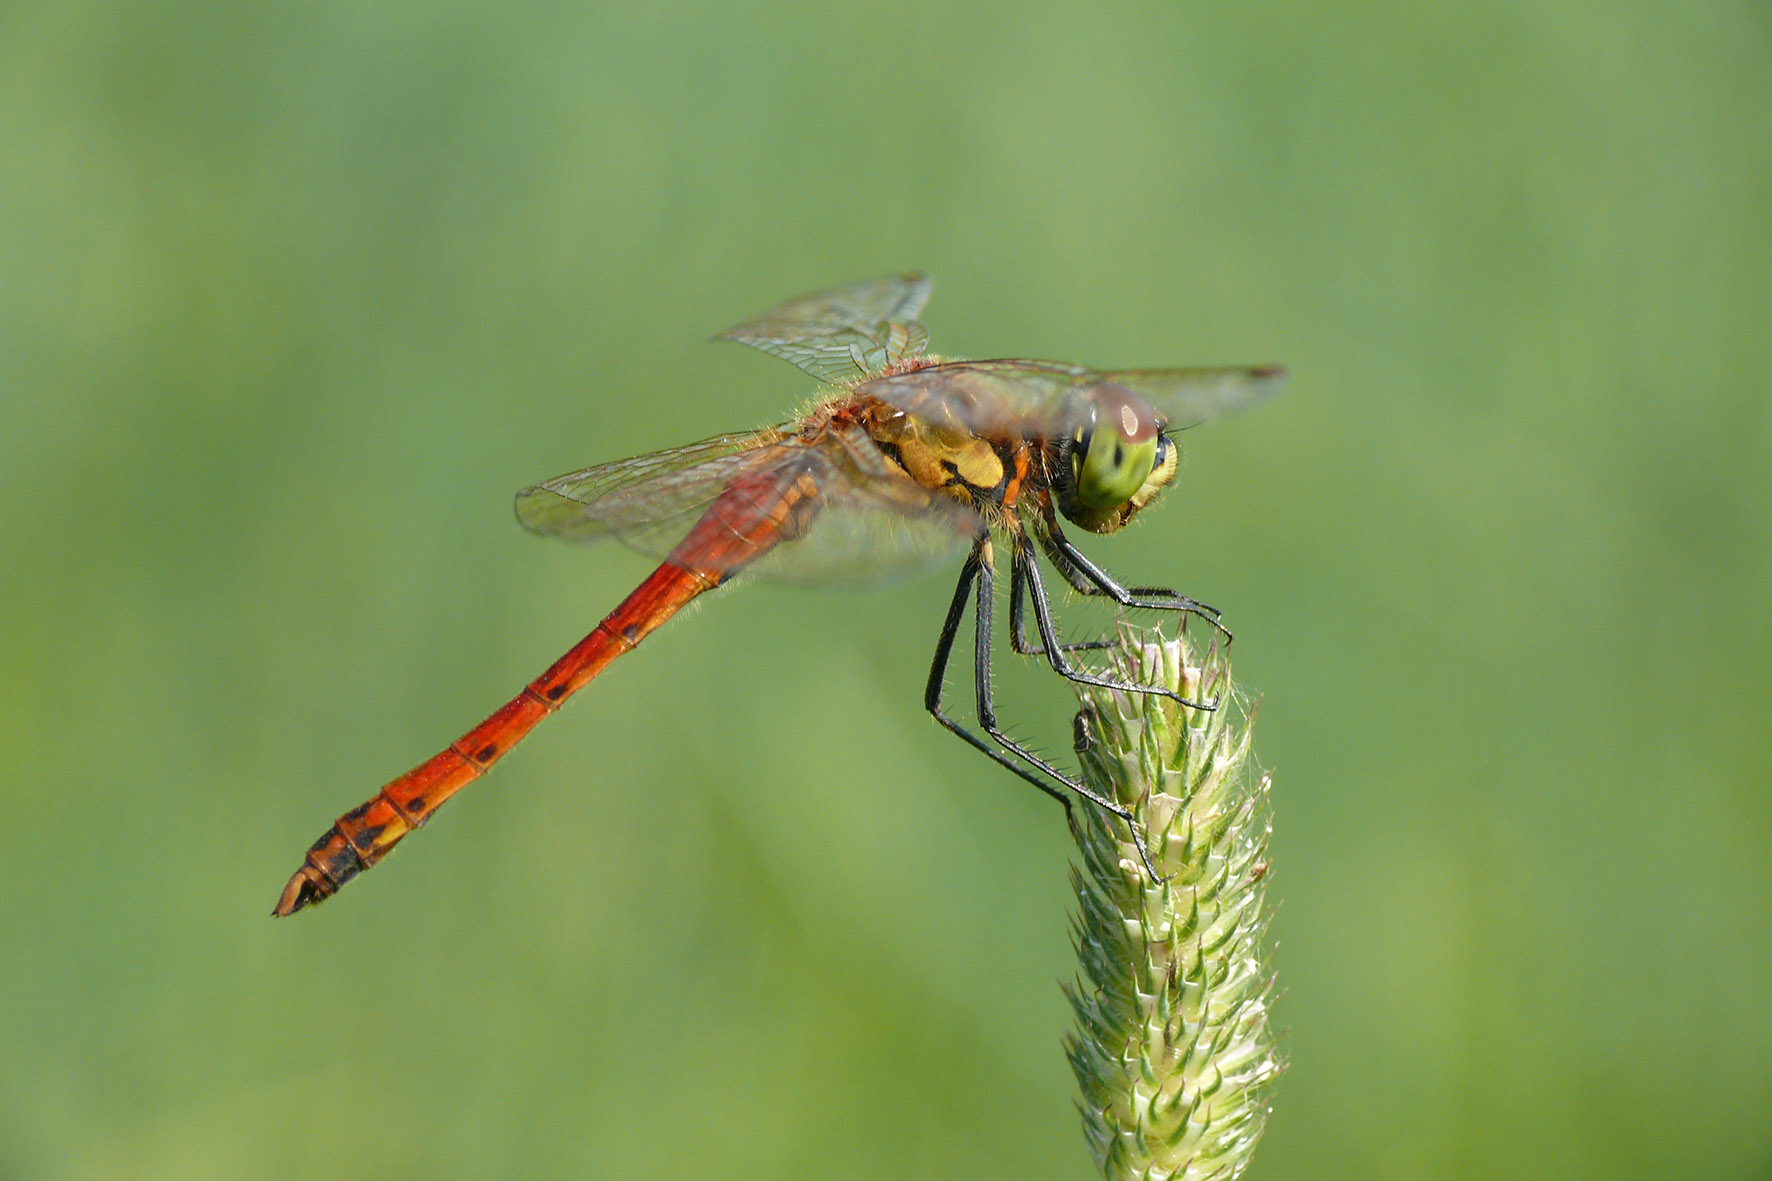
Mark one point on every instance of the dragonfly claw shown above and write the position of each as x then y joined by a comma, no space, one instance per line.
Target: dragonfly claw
1210,707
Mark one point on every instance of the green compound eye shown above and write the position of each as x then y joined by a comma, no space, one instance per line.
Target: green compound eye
1115,455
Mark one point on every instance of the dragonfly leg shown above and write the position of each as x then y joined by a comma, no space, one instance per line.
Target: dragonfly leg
1089,579
1018,626
1026,565
977,573
938,668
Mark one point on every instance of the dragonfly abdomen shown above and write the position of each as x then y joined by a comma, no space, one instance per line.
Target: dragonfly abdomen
737,528
365,834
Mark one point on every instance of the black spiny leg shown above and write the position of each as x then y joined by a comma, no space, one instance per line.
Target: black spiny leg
938,668
1089,579
1024,563
1018,628
979,570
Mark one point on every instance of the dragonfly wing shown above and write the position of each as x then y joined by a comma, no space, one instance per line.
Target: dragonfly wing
1191,397
873,521
613,499
1029,399
1036,399
869,520
843,334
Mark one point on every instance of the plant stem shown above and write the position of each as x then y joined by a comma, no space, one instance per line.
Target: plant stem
1172,1049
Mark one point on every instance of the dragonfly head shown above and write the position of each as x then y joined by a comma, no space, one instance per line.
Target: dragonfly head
1114,461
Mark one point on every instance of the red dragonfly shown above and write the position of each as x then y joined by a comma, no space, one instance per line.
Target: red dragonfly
905,456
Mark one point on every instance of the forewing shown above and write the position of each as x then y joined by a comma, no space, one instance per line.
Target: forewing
1028,399
1034,399
1190,397
843,334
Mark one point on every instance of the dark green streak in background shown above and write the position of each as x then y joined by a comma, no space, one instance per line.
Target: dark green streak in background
293,297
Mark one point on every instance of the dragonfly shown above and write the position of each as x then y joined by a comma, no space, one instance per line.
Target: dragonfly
903,457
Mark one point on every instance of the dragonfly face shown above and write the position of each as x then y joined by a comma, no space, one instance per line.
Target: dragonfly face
907,456
1115,461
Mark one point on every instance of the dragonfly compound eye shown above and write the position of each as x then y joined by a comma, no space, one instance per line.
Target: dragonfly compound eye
1114,457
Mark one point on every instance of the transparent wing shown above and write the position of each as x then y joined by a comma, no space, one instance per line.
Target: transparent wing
612,498
873,521
1037,399
869,519
1029,399
843,334
1192,397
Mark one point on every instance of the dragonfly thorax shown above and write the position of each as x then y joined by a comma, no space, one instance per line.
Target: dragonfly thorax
940,456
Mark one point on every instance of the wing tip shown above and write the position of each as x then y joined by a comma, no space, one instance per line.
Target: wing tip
916,280
1269,380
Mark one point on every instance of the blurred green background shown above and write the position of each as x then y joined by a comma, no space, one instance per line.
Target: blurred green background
292,298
